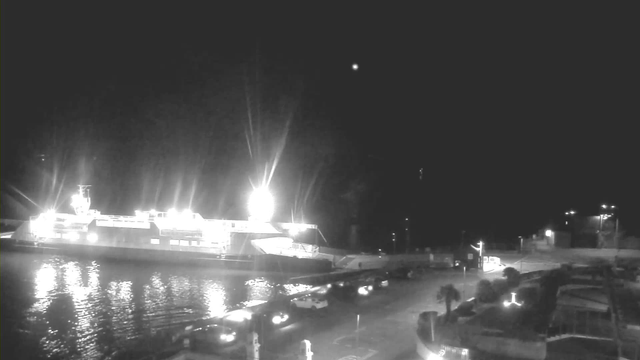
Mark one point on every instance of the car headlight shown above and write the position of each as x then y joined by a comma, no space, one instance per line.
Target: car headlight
279,319
363,290
228,337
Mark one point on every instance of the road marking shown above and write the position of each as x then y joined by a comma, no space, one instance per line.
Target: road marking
369,354
336,341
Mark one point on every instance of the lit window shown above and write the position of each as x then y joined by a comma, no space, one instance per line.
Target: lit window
156,241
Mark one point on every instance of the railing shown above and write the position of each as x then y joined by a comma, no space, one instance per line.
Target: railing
584,327
553,355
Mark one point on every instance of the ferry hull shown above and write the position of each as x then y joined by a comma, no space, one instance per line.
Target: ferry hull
260,262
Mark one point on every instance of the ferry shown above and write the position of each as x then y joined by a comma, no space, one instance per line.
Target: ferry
173,236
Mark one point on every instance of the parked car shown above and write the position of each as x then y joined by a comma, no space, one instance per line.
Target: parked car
309,302
378,281
403,273
212,337
343,290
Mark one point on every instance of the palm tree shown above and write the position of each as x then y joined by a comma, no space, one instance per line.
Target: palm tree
485,292
512,275
448,293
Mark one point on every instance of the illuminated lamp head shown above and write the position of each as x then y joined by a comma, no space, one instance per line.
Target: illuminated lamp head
261,205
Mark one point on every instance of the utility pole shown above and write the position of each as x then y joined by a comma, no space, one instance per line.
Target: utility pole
615,235
464,282
521,244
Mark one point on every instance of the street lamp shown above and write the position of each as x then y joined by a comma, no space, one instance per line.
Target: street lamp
569,213
548,233
521,243
479,250
513,301
393,238
407,234
261,205
605,216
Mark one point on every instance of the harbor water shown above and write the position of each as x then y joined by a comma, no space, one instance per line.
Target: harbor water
57,307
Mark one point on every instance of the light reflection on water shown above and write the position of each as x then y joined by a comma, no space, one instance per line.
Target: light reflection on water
83,309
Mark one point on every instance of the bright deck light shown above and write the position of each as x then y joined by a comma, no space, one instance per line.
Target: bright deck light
261,205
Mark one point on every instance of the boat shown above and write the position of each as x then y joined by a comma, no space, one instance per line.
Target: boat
171,236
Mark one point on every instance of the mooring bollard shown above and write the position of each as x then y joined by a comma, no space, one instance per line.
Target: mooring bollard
253,346
305,350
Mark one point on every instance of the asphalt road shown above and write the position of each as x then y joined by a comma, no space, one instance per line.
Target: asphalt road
387,320
386,327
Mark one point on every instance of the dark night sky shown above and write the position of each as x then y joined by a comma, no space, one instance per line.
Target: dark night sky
515,114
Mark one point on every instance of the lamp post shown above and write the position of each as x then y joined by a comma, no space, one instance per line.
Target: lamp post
479,250
521,244
569,215
607,211
604,214
408,234
393,239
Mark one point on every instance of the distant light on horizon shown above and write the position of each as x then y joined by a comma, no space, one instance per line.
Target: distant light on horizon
355,67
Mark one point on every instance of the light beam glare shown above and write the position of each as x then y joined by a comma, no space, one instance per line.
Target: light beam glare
25,196
280,149
311,187
55,203
249,136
